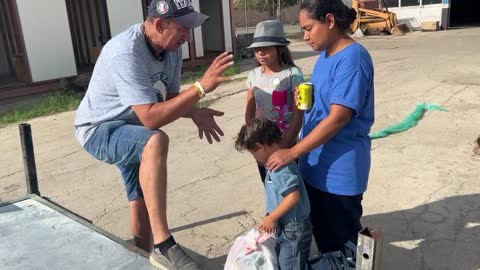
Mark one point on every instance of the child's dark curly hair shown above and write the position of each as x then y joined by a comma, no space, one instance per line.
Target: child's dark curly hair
258,130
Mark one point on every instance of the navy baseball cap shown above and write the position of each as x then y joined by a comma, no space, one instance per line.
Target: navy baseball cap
180,10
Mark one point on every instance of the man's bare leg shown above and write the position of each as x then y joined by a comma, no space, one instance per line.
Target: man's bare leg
153,180
140,225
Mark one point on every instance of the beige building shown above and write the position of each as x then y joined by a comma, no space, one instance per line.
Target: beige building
43,42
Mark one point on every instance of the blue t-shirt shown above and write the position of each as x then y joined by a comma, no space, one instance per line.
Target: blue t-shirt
281,183
342,165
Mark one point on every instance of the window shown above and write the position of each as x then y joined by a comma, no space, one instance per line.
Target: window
409,3
429,2
391,3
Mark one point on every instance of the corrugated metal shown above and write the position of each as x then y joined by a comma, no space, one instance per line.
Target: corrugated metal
88,20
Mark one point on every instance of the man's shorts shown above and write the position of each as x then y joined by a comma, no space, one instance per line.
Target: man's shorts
119,143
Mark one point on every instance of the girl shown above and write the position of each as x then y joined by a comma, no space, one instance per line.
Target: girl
335,147
271,84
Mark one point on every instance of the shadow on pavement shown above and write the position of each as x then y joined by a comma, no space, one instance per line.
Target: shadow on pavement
209,263
444,234
211,220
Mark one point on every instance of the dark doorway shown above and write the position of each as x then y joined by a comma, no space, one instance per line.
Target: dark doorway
464,13
212,30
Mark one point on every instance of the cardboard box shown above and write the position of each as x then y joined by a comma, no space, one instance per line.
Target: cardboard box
430,26
95,53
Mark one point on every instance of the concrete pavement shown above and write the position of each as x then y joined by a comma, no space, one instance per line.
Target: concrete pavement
423,191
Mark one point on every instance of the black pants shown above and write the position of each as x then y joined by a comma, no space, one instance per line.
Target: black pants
335,219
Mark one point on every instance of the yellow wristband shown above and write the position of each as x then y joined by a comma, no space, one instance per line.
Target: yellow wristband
200,88
199,92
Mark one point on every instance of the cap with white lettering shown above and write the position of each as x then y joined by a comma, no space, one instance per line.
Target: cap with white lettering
180,10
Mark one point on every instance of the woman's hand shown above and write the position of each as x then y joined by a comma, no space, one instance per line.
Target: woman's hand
295,96
281,158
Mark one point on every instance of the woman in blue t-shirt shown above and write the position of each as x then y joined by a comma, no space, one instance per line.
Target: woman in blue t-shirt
335,147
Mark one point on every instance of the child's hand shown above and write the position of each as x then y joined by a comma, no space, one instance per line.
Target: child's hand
268,225
295,95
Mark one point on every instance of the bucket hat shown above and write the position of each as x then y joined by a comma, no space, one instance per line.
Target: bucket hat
269,33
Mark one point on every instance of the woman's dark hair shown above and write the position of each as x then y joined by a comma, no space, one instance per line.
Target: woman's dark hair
318,9
283,54
258,130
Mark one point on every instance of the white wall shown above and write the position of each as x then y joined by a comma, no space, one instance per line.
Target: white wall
123,14
347,2
47,39
227,25
185,51
414,16
197,32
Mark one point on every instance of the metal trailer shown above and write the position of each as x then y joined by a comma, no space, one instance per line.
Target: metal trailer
37,233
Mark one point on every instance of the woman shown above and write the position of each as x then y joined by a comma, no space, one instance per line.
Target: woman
335,147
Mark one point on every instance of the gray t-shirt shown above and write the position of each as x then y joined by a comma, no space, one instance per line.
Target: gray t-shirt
281,183
263,86
126,74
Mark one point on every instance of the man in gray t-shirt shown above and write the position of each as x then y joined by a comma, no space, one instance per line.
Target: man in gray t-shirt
134,91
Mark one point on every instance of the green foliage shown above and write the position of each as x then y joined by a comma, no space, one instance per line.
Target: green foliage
194,73
263,5
235,69
65,100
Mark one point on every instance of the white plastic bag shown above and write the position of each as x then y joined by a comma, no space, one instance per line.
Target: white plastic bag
253,251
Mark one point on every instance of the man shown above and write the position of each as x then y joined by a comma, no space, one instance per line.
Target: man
134,91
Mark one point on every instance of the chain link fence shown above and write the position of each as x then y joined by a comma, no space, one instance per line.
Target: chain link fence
247,13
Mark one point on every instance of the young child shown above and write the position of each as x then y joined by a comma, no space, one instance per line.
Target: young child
271,85
288,207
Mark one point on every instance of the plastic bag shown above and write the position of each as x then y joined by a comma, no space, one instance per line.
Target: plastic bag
253,251
409,122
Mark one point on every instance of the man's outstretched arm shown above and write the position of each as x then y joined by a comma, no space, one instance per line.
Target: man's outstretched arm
156,115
